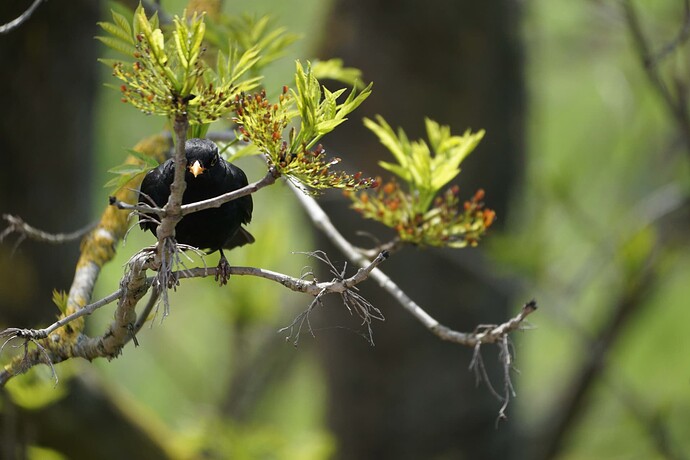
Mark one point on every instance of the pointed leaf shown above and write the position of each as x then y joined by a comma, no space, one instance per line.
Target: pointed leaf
117,32
118,45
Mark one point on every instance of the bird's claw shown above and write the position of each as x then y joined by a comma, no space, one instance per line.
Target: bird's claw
223,271
173,280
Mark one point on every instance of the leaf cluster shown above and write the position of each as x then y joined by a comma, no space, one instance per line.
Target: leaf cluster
136,164
167,75
425,174
420,213
319,110
297,154
334,69
246,32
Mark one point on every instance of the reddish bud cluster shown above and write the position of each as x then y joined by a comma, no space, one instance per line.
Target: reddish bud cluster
263,123
260,121
445,223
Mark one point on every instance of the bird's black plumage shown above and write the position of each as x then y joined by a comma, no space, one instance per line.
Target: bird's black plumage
207,176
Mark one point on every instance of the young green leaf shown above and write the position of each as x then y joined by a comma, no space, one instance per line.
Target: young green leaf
60,300
421,214
333,69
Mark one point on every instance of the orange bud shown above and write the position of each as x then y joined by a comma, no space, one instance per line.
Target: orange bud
489,217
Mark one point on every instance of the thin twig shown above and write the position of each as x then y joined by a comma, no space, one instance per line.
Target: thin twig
37,334
323,222
677,104
354,302
215,202
673,45
489,334
341,285
269,179
290,282
17,225
5,28
391,246
144,315
295,328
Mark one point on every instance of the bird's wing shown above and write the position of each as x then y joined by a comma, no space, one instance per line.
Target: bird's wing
155,190
236,179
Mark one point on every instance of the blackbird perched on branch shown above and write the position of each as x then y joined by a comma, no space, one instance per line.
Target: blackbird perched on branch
207,176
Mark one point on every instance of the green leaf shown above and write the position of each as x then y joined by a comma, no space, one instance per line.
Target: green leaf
121,180
148,160
117,45
126,169
121,38
198,130
333,69
388,138
245,32
320,113
248,60
426,170
117,32
397,170
238,150
60,300
123,23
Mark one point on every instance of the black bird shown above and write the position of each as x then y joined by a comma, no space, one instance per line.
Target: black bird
207,176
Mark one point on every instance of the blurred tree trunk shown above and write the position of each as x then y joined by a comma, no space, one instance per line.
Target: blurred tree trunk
458,62
49,81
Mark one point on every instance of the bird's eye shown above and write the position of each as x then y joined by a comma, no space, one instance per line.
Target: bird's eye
214,160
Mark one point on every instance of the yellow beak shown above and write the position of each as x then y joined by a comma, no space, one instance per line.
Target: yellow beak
196,168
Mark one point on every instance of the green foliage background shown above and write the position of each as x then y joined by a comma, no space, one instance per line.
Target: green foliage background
602,157
600,144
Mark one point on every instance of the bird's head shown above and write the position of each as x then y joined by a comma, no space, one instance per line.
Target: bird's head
202,155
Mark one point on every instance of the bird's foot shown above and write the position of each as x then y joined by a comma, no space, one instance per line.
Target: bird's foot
223,271
173,281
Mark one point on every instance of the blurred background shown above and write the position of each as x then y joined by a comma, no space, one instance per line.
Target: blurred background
585,161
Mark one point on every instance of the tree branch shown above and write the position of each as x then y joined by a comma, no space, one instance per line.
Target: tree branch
21,19
215,202
17,225
679,40
677,104
134,286
491,334
269,179
172,214
38,334
97,248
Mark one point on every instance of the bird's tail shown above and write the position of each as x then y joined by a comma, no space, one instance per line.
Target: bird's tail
240,238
